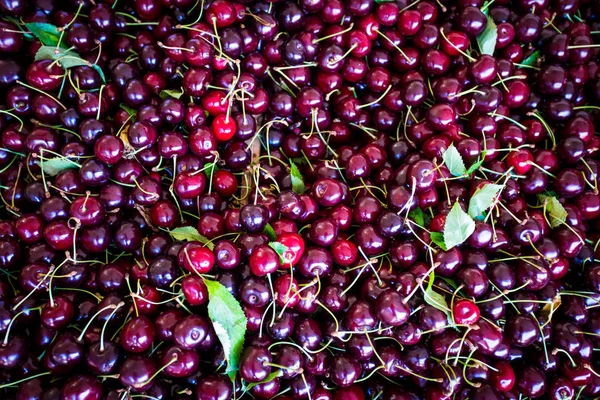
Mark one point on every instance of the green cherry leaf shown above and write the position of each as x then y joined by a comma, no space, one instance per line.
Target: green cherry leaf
190,234
438,239
165,94
483,199
454,161
532,60
47,34
417,215
280,248
229,322
435,299
270,232
52,166
555,212
458,227
65,58
487,39
297,179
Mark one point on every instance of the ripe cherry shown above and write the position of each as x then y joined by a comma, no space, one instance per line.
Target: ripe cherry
295,248
224,127
465,312
194,289
520,161
263,260
196,258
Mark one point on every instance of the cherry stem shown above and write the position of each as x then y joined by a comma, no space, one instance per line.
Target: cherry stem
438,380
42,92
510,78
337,325
470,58
376,100
302,349
13,319
334,34
393,44
557,350
7,112
16,383
543,122
173,360
520,125
368,376
85,328
121,304
297,294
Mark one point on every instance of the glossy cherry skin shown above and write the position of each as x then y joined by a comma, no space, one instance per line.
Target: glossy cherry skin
465,312
254,364
137,335
83,386
136,373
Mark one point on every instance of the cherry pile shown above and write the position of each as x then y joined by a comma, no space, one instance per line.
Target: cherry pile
299,199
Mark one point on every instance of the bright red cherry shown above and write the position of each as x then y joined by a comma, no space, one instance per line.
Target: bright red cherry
295,248
504,378
194,257
194,289
520,161
223,127
465,312
263,260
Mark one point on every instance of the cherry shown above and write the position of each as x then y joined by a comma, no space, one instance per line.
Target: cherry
214,387
465,312
191,331
194,290
137,335
80,386
180,363
45,75
196,258
254,364
264,260
136,372
223,127
295,247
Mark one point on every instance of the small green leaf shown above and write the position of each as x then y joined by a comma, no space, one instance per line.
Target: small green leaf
297,180
454,162
449,282
438,239
269,378
477,164
67,59
27,35
298,160
532,60
486,6
47,34
458,227
554,210
435,299
487,39
189,234
483,199
229,322
100,72
129,110
417,215
270,232
53,166
165,94
211,168
280,248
